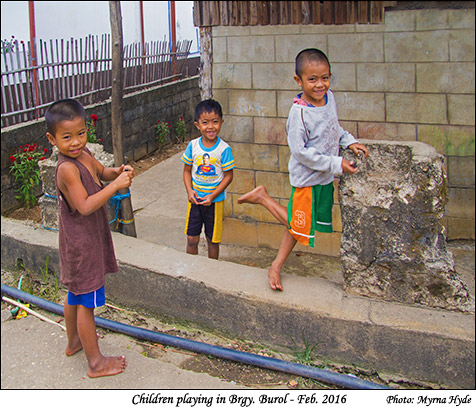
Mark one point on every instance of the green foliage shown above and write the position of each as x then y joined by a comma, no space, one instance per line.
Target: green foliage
91,129
26,172
162,132
180,129
47,289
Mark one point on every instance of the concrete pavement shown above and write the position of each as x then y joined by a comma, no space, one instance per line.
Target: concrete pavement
409,342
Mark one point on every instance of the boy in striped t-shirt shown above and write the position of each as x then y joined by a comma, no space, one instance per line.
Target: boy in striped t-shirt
208,170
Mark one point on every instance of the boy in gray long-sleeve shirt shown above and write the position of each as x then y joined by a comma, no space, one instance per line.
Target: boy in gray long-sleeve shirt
314,137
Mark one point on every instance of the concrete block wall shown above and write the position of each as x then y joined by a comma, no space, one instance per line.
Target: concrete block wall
409,79
141,111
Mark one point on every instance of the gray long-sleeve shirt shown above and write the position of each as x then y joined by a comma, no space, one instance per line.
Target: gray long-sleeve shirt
314,136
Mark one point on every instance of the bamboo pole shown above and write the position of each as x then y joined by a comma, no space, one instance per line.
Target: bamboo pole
128,226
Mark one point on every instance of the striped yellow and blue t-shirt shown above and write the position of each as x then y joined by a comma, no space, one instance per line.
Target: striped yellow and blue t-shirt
208,165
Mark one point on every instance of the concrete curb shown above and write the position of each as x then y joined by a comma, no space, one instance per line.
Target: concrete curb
415,343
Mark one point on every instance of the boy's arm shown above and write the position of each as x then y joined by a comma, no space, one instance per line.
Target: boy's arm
187,180
69,183
227,178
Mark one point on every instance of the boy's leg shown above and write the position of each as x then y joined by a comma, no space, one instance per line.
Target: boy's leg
213,249
261,197
274,273
70,318
98,365
192,244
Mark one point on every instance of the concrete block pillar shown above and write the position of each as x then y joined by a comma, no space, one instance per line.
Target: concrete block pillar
393,246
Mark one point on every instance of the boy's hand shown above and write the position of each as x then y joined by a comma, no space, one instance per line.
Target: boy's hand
205,201
348,167
124,179
356,147
127,168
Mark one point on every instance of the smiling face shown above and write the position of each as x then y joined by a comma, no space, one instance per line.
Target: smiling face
314,81
70,137
209,124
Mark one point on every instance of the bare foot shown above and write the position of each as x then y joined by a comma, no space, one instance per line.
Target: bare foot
108,366
254,196
75,347
274,277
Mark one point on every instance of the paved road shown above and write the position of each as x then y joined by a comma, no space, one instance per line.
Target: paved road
32,357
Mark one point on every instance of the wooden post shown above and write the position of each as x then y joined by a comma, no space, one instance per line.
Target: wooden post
206,62
116,109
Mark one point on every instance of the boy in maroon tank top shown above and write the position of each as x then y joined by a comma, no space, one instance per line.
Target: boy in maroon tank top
85,241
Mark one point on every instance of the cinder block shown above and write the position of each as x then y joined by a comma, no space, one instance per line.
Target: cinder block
222,97
400,20
461,203
270,235
272,30
460,228
350,126
284,154
228,205
251,49
325,244
273,76
230,31
461,44
448,140
416,108
354,48
422,46
256,156
232,76
350,106
237,129
288,46
327,29
276,183
237,232
252,212
243,181
431,19
343,77
254,103
461,171
219,50
386,131
386,77
285,101
461,109
336,219
270,131
462,18
451,78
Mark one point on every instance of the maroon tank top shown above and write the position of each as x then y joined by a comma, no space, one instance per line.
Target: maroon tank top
85,242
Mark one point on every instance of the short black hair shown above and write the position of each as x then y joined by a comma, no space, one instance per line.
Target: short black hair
310,54
63,110
208,106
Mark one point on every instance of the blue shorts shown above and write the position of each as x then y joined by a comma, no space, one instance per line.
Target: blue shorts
210,216
90,300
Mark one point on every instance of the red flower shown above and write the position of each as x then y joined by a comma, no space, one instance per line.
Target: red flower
181,118
100,139
20,146
32,148
25,149
12,158
30,158
42,158
27,145
95,118
45,150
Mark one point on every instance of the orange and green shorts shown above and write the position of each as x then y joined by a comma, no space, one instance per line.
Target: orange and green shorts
310,210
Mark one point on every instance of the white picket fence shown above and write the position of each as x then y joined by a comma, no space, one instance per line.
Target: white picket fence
80,69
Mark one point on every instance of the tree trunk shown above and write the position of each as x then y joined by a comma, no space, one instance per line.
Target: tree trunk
127,216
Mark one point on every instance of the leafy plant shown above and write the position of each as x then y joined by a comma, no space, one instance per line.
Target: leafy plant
180,129
26,172
91,129
162,131
46,288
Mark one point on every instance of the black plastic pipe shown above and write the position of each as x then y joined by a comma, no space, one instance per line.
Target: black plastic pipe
350,382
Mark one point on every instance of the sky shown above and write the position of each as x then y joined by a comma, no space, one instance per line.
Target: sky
78,19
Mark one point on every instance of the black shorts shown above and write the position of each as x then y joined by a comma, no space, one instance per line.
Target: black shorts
210,216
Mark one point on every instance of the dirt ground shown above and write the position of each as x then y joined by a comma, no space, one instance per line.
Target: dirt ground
237,373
